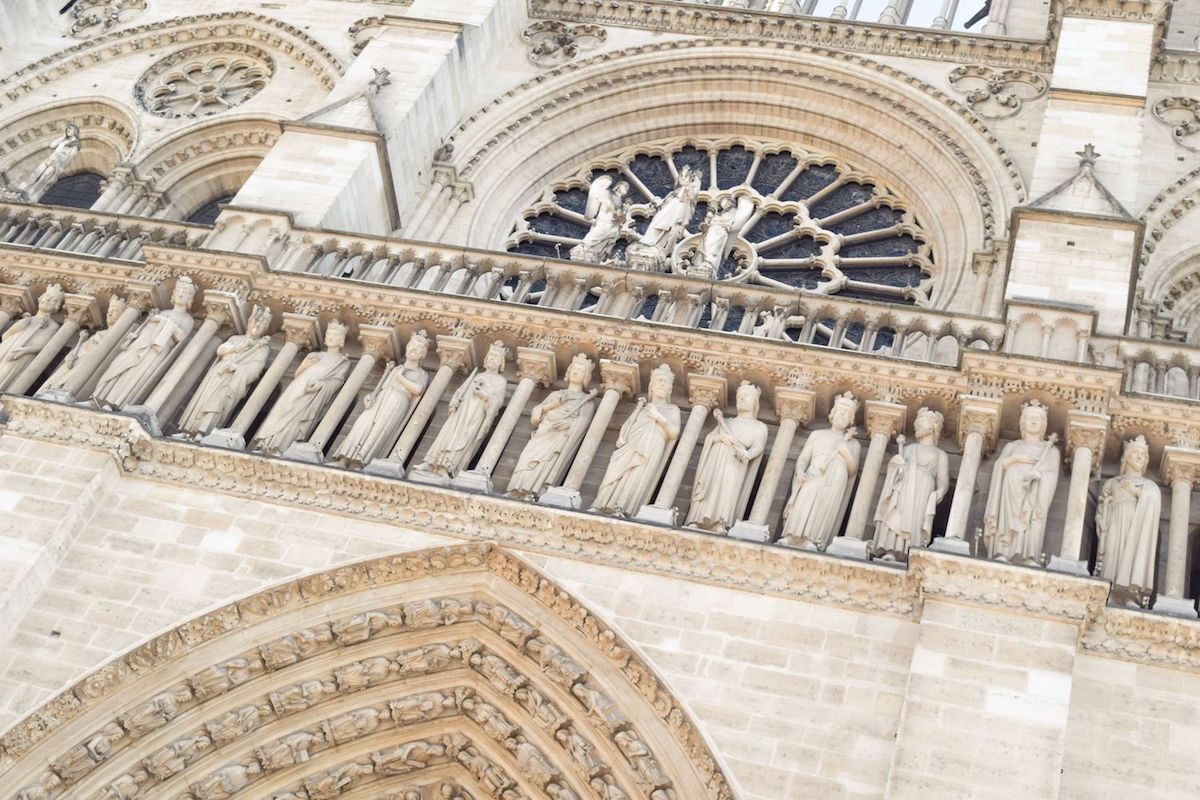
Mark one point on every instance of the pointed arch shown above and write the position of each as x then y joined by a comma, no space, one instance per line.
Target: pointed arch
460,666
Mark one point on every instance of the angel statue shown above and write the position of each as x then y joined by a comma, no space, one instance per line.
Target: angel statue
606,210
669,223
718,232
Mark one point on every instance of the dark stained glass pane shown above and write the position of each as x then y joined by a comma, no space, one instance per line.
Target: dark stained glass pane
871,220
80,190
895,246
842,198
810,181
771,225
572,199
733,165
654,172
554,225
696,159
207,213
771,172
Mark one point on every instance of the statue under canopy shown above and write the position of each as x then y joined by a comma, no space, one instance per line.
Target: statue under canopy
387,407
299,407
1127,519
607,205
918,477
1023,482
240,362
728,464
44,175
26,337
472,409
145,356
642,448
825,471
559,423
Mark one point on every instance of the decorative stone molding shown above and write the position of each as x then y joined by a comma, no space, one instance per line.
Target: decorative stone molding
94,17
996,94
882,418
1180,464
979,415
204,80
793,403
1087,430
1182,116
552,43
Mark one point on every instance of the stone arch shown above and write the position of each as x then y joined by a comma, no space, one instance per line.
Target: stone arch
108,133
458,665
949,164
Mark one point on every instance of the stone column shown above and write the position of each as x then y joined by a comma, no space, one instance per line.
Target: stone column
455,354
794,408
82,311
705,392
1181,468
1085,441
978,427
379,342
534,367
299,331
140,297
461,193
620,379
14,301
884,420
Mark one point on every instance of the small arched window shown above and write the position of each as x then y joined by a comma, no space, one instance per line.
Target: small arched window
80,190
207,213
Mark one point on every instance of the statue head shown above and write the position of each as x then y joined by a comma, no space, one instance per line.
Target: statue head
497,354
1135,458
335,335
843,411
1034,419
259,322
579,371
725,202
184,292
116,307
418,346
71,132
51,300
621,188
747,398
662,383
928,423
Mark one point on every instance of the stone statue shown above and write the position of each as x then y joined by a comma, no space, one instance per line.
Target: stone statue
146,354
240,362
720,228
85,344
532,762
26,337
1127,520
62,153
301,404
606,788
83,758
669,223
825,471
642,448
728,464
606,209
918,477
473,408
559,423
387,407
1022,488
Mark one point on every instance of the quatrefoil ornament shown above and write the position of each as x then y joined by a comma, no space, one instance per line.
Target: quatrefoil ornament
1182,116
554,43
996,94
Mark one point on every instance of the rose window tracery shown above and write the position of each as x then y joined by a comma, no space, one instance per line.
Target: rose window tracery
773,214
205,80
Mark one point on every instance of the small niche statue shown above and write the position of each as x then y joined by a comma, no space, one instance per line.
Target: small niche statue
240,362
1023,483
26,337
728,464
918,477
387,406
44,175
1127,524
642,448
559,423
301,404
825,470
146,355
606,209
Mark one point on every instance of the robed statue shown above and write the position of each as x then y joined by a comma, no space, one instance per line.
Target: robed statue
26,337
669,223
473,409
918,477
1127,519
728,465
44,175
606,209
240,362
718,232
1022,489
387,407
85,344
825,471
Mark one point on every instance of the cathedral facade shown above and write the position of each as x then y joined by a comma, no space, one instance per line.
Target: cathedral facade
599,399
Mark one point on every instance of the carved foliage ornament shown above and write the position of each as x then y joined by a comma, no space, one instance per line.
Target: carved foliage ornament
996,94
93,17
204,80
553,43
1182,116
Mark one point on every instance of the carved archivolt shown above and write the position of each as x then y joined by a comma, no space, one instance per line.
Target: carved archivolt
204,80
457,666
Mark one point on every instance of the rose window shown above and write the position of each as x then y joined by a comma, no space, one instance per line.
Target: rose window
764,213
200,82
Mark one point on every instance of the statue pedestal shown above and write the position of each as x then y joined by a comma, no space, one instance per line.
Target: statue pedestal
959,547
750,531
561,497
419,474
849,547
146,416
55,396
643,258
305,451
1068,566
1174,606
659,515
385,468
473,481
225,437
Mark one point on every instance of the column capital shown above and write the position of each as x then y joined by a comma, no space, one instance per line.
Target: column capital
379,341
1180,464
15,300
301,330
456,352
709,391
885,419
83,310
225,308
538,365
145,295
1085,429
979,415
624,376
797,404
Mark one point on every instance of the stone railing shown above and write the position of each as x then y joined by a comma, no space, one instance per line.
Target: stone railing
90,233
941,15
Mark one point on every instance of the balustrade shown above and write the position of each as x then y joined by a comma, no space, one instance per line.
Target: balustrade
88,233
933,14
